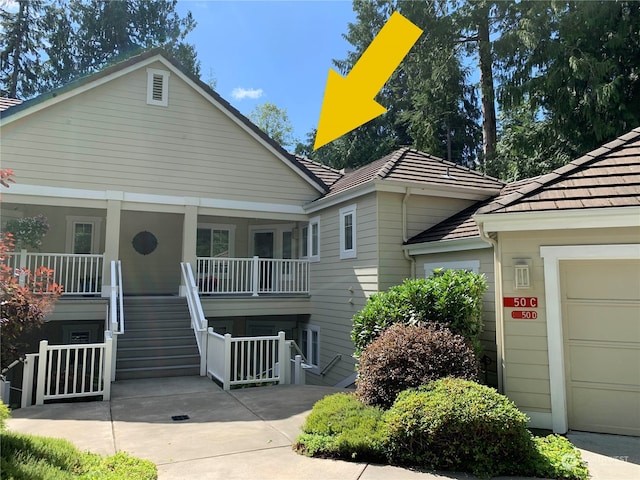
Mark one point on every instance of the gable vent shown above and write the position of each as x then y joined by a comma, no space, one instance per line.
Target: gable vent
158,81
157,87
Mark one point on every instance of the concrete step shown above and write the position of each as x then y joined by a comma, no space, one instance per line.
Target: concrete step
157,361
158,372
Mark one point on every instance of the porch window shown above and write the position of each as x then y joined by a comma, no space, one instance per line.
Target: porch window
83,235
314,239
348,232
215,240
310,346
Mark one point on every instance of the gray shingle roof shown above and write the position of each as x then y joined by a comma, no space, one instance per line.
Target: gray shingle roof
408,165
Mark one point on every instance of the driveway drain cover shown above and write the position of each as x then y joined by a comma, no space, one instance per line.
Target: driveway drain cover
177,418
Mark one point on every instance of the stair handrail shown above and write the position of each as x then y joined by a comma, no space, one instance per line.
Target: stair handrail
198,320
116,307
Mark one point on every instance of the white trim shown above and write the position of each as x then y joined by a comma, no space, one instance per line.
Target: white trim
314,222
231,228
96,223
552,255
394,186
151,74
315,368
445,246
469,265
344,213
147,198
560,219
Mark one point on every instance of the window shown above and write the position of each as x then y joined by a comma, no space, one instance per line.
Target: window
310,346
310,240
215,240
348,232
83,234
468,265
157,87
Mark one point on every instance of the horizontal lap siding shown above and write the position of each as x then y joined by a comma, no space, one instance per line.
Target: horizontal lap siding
488,337
109,139
525,341
340,288
424,212
394,267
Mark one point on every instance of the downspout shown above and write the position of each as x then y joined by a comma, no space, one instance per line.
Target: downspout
497,272
405,234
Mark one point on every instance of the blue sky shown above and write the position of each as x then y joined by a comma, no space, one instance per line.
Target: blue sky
270,51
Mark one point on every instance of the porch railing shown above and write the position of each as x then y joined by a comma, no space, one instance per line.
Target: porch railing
68,371
252,360
79,274
252,276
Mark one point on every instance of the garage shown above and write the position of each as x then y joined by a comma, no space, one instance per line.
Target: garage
601,335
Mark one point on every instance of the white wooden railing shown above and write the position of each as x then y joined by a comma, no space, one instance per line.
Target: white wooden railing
252,276
252,360
68,371
115,317
78,274
198,320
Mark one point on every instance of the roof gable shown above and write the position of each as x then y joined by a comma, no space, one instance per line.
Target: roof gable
45,100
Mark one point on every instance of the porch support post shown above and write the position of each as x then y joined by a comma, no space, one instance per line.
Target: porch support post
112,237
189,232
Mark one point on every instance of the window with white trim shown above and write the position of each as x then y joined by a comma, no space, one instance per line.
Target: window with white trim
215,240
83,234
311,240
157,87
310,346
468,265
348,232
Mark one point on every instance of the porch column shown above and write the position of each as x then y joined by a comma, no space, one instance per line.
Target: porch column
111,239
189,232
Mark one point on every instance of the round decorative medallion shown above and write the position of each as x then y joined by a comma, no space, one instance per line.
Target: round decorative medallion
144,242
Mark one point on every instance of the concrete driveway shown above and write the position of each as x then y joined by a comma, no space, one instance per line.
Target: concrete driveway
243,434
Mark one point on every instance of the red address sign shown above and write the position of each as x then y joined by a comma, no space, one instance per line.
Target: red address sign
524,314
520,302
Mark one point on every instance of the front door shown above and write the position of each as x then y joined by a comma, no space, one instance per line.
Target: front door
264,247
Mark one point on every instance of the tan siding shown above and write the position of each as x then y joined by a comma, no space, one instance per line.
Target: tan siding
109,138
423,212
525,341
80,309
340,288
232,307
485,257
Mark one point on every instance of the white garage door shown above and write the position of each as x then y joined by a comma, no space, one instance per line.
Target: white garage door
601,327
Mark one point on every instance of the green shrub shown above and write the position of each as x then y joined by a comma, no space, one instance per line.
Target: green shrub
406,356
4,414
555,457
452,298
340,426
459,425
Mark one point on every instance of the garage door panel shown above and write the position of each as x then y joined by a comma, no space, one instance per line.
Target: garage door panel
605,365
598,410
603,279
603,321
601,330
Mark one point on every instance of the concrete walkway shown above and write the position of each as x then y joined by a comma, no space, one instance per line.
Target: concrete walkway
243,434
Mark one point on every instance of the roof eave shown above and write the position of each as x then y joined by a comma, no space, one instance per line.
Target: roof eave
607,217
444,246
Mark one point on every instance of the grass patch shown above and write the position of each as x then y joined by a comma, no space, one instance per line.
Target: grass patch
32,457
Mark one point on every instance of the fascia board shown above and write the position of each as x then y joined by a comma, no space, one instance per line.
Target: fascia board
344,196
444,246
560,219
447,191
135,201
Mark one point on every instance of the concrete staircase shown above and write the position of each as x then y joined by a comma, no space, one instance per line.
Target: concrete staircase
158,340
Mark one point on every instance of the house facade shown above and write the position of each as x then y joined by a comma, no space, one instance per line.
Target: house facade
565,272
145,164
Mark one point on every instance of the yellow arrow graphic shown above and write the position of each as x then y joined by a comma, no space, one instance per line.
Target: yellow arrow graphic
348,102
